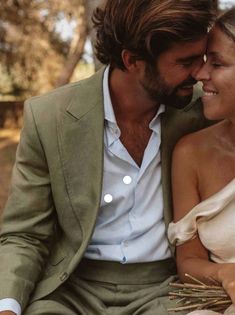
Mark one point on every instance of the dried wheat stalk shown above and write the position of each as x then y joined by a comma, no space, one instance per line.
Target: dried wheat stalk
199,296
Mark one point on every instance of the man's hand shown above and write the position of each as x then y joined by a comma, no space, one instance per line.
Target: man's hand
7,313
226,275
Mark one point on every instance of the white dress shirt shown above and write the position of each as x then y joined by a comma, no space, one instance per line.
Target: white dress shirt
130,226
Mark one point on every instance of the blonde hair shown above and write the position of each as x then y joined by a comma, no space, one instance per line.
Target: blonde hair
226,22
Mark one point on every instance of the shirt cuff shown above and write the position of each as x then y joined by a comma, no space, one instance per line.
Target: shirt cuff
10,305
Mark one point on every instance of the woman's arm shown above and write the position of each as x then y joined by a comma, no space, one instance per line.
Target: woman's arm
192,257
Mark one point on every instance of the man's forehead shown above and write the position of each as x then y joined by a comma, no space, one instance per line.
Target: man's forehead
186,50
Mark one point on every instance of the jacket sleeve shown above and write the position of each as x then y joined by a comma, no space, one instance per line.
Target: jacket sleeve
28,217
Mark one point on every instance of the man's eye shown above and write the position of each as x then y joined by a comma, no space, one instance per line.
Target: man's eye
192,62
187,63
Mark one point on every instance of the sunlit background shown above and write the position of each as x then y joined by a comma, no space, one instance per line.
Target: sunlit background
225,4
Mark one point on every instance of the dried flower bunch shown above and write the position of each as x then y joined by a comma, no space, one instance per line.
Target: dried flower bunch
199,296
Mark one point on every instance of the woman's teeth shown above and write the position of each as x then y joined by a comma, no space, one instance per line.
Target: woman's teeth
210,93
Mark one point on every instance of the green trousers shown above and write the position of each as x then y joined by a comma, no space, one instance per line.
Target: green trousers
110,288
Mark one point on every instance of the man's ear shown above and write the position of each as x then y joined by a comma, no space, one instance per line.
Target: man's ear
129,60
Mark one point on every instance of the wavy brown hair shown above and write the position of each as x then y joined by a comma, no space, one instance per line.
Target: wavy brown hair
226,22
148,27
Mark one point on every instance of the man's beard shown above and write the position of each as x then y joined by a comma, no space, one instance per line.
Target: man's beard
160,92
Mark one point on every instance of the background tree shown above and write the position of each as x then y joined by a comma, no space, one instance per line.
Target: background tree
86,32
90,7
77,45
33,51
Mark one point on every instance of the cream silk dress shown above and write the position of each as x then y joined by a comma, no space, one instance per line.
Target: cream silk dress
213,220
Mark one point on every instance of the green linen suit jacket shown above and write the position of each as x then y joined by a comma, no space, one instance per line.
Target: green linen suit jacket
56,186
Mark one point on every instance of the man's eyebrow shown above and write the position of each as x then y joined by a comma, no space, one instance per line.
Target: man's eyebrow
189,58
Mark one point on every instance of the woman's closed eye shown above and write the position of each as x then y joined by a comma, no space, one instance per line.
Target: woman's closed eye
216,64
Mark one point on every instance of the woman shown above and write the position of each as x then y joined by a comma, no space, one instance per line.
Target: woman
203,173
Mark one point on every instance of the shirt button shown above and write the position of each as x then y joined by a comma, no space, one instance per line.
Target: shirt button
115,131
126,243
64,276
108,198
127,180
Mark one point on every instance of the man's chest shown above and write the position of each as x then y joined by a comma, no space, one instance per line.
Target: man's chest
135,139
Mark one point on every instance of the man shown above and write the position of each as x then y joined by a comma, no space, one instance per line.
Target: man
84,230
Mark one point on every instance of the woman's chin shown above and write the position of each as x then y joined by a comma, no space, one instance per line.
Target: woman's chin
211,114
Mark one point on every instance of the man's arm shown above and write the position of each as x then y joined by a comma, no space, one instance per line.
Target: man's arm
28,218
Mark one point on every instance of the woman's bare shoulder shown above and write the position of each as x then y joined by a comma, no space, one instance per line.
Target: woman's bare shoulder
198,142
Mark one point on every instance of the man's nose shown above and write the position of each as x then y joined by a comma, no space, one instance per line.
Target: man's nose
202,73
197,66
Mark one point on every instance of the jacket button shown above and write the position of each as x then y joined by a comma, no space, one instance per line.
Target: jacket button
64,276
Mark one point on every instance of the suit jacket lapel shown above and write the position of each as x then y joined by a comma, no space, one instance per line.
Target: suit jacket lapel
167,144
80,135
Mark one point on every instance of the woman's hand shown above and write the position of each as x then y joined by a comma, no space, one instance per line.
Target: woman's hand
226,276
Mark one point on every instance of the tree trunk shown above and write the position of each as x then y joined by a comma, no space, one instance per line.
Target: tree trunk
90,7
216,2
75,55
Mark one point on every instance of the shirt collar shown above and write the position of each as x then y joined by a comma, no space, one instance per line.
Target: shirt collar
109,115
155,124
108,108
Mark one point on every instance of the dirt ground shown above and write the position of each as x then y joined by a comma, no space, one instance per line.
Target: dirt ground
8,143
